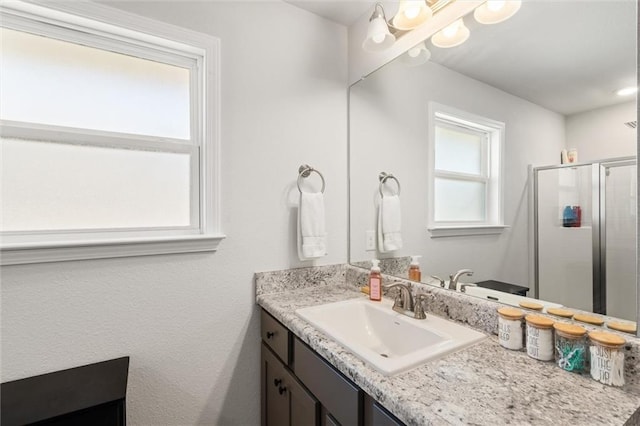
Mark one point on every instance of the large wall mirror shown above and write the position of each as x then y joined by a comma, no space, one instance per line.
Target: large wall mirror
498,201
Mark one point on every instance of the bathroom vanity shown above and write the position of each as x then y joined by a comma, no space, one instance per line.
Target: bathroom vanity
309,378
299,387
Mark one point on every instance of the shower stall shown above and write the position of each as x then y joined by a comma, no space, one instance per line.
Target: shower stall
585,235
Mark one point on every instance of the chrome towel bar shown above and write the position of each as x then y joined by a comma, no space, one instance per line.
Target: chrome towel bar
383,177
304,171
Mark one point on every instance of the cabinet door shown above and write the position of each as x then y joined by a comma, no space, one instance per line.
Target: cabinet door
328,420
375,415
274,398
284,400
304,407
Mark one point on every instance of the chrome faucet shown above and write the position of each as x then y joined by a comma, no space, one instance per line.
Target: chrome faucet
404,299
453,279
404,302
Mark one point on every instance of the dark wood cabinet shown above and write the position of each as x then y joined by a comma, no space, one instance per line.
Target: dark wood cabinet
285,401
376,415
338,395
275,405
303,406
300,388
276,336
328,420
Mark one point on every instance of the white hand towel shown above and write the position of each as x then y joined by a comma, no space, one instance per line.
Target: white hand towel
311,226
389,224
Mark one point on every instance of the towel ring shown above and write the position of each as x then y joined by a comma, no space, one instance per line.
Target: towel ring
383,179
304,171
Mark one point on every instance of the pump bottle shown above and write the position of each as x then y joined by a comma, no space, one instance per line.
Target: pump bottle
375,281
414,269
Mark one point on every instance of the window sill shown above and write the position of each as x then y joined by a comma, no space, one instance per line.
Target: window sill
462,231
20,254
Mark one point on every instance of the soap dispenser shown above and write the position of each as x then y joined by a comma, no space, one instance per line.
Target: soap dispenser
375,281
414,269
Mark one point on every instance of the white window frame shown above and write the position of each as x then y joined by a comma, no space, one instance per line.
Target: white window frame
492,172
111,29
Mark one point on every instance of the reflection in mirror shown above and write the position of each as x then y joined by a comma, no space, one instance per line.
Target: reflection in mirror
552,87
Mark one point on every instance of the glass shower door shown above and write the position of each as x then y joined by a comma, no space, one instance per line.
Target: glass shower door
564,254
587,262
618,210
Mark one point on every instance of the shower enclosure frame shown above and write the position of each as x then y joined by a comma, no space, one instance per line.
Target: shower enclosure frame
598,224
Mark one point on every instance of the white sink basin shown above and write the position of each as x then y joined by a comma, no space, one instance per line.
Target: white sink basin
386,340
507,298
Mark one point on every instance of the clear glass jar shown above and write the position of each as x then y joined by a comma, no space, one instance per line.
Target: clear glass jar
607,358
571,347
539,337
510,328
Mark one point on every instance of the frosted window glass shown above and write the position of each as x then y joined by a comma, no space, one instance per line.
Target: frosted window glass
459,151
48,81
457,200
49,186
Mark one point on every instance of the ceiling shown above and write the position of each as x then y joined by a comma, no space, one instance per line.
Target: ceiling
344,12
567,56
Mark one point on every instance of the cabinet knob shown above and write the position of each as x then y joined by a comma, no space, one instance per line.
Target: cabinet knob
276,382
282,389
270,334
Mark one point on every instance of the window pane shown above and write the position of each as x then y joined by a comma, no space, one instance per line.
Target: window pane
49,186
48,81
459,150
457,200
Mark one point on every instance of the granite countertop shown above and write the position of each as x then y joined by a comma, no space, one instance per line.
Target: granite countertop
484,384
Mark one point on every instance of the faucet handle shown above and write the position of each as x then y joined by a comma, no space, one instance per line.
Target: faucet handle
463,286
418,312
439,279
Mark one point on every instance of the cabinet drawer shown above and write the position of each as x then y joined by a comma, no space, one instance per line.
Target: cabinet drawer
341,398
275,335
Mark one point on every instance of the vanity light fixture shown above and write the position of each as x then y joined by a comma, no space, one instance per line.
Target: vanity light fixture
417,55
378,36
495,11
627,91
452,35
411,13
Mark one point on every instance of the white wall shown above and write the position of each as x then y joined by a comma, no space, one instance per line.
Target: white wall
189,322
389,124
600,134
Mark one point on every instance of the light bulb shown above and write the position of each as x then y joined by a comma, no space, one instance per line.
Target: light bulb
495,11
378,36
411,14
413,10
452,35
451,30
417,55
495,5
